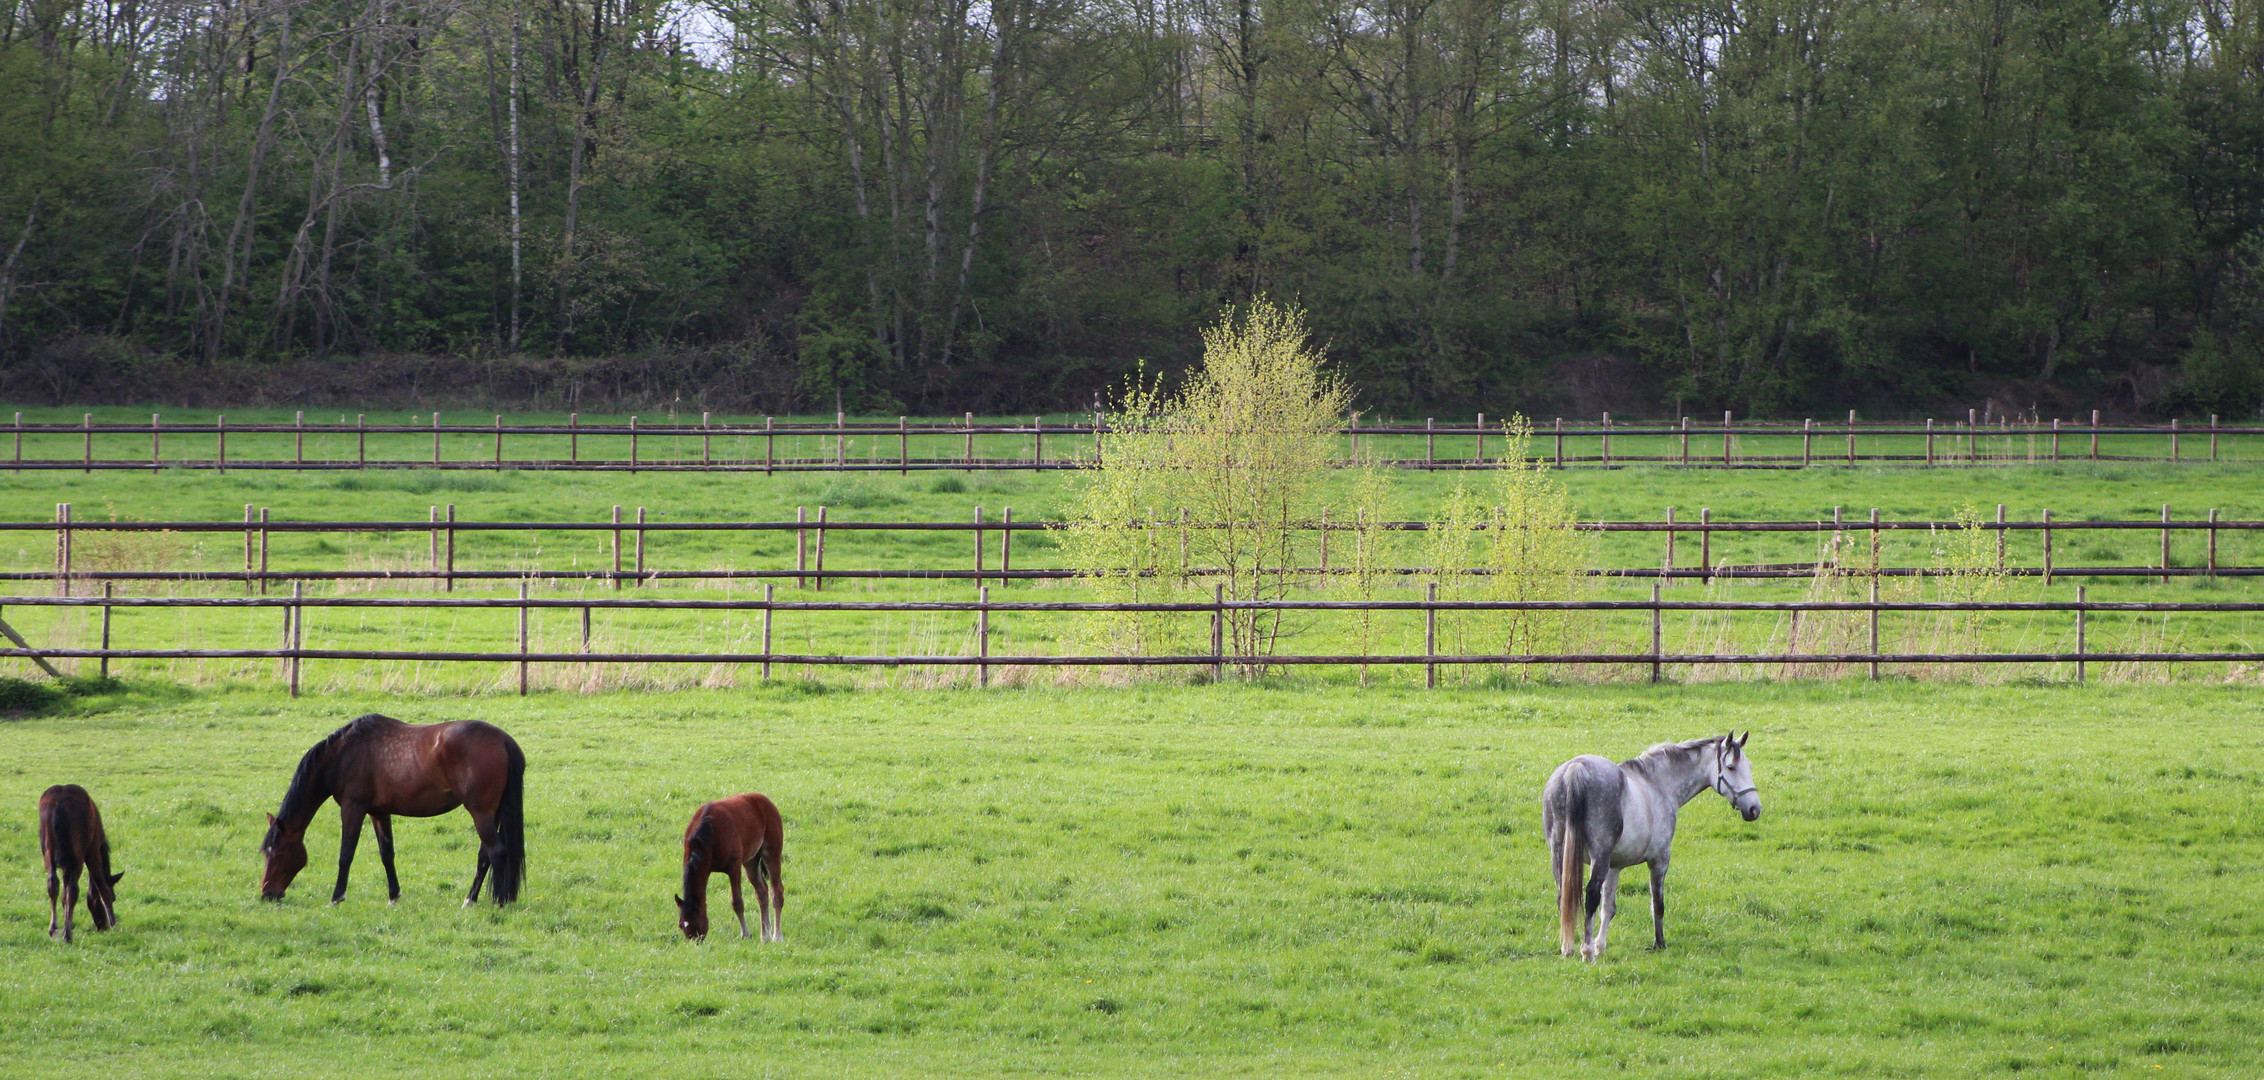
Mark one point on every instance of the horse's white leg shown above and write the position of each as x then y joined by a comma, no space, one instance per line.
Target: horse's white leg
1610,908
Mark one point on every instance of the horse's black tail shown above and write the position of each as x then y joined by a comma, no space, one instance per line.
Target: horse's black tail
509,866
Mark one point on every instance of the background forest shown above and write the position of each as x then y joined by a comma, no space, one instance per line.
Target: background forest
937,205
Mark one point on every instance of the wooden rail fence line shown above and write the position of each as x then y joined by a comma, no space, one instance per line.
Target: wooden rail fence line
1973,441
295,650
443,526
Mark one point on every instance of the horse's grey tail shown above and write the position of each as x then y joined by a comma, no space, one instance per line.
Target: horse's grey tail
1574,862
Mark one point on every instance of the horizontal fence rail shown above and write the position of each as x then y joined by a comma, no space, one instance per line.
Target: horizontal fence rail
297,651
889,446
992,552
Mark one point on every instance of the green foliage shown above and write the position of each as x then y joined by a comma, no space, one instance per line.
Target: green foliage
1517,533
1239,454
1001,207
2220,377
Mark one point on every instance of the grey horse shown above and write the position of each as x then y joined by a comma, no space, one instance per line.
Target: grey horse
1613,816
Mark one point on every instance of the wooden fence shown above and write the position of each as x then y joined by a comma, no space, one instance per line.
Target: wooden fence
967,445
1857,542
294,651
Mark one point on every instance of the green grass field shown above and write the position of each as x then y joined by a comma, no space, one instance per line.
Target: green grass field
1229,880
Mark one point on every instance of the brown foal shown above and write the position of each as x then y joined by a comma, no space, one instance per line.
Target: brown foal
71,840
743,831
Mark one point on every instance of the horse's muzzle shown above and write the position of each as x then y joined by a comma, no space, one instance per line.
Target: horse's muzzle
1752,813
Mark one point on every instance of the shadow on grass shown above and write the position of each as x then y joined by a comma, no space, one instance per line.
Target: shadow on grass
79,695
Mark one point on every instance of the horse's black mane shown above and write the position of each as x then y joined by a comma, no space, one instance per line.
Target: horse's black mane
303,793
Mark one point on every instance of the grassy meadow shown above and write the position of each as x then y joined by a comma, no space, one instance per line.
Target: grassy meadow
1168,880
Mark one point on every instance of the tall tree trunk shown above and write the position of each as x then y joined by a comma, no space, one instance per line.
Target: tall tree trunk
216,328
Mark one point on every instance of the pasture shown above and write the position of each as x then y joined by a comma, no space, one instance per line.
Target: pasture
1267,880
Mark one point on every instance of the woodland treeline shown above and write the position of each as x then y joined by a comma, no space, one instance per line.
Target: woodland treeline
935,205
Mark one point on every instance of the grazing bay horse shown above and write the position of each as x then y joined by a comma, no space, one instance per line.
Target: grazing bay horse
743,831
377,767
1611,816
71,840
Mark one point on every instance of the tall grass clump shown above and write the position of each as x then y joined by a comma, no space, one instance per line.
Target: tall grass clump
1207,488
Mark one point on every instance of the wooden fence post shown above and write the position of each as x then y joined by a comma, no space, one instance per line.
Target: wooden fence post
982,635
361,440
2165,544
1874,545
632,445
574,438
1851,436
1706,544
1874,619
1560,442
770,446
1479,455
818,569
294,634
1807,436
970,455
766,630
299,436
617,546
1725,438
840,439
2212,436
1668,573
2000,537
1686,442
1324,544
1431,637
1431,442
1037,444
2055,440
157,445
19,443
1183,537
522,637
903,447
1006,548
978,547
1606,445
641,545
1218,633
707,440
2212,545
436,436
2173,439
63,549
2082,626
87,421
248,549
448,582
263,551
499,442
1929,443
2094,457
1655,618
106,594
219,430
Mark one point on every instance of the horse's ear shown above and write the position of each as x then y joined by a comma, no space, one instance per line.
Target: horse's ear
1742,738
114,878
679,901
270,821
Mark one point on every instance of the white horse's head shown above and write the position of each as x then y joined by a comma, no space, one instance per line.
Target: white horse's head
1733,775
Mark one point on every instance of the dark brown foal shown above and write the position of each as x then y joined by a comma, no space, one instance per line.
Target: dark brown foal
71,840
743,831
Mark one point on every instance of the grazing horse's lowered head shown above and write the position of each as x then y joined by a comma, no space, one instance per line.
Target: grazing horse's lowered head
1602,816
